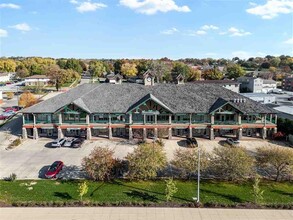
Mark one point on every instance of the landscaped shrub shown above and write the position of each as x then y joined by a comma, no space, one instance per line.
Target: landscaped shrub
186,161
170,189
99,163
276,162
231,163
119,169
10,95
15,143
146,160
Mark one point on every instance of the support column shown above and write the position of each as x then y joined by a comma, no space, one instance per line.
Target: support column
23,119
60,119
144,119
130,119
264,133
239,134
212,135
88,133
60,134
156,119
24,133
170,119
87,119
110,133
156,133
190,132
34,118
144,134
170,133
35,133
212,119
275,130
271,118
130,133
276,118
239,119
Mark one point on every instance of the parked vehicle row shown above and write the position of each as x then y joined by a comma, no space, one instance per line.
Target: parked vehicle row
68,142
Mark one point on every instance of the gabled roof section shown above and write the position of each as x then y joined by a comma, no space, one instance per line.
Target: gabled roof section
146,98
148,73
220,103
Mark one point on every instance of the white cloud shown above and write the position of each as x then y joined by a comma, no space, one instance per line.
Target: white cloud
234,32
196,33
89,6
170,31
150,7
21,27
289,41
272,8
209,27
3,33
73,2
9,5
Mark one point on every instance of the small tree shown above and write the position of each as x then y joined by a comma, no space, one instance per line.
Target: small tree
275,161
170,189
82,189
10,95
146,160
27,99
186,160
257,192
99,163
231,163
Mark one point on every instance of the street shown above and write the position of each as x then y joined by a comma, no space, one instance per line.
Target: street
137,213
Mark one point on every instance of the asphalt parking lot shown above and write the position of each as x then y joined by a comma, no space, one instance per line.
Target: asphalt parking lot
32,158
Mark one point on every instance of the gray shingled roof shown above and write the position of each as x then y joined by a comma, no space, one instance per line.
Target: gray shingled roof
111,98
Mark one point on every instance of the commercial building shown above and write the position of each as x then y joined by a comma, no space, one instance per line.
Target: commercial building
263,98
36,80
148,110
288,84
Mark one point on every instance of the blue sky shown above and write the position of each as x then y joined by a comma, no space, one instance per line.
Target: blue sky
146,28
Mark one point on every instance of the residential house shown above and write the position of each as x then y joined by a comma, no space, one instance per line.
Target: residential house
5,77
148,110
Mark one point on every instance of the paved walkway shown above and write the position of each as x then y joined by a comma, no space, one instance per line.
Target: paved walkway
143,214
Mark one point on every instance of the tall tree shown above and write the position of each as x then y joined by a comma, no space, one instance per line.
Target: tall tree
57,75
7,65
129,69
162,71
96,68
74,65
212,74
117,66
180,68
234,71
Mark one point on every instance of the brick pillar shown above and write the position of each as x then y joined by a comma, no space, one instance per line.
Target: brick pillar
156,133
212,135
144,134
110,133
264,133
24,133
239,134
130,134
88,133
190,132
60,133
35,133
170,133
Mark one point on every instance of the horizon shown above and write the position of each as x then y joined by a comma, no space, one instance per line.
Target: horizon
148,29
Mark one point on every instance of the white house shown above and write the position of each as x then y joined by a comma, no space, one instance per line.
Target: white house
5,77
36,80
261,97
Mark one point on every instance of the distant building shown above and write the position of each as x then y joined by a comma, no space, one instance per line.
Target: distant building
268,85
36,80
250,84
228,84
288,84
5,77
114,78
261,97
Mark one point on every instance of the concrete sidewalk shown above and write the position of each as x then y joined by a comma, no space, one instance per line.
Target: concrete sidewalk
123,213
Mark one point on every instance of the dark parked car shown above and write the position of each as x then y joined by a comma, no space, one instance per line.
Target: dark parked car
77,143
191,142
54,169
290,99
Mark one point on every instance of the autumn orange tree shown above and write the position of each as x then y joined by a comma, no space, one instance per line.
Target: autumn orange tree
27,99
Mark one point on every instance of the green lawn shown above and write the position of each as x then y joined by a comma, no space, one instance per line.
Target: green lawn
225,193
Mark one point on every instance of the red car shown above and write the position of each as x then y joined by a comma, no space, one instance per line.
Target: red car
10,109
54,169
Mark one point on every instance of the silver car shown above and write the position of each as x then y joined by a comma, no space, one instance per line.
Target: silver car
232,142
58,142
69,142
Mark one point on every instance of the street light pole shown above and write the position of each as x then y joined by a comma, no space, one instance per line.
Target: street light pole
198,173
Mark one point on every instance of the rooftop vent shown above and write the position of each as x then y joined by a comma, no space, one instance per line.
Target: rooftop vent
238,100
